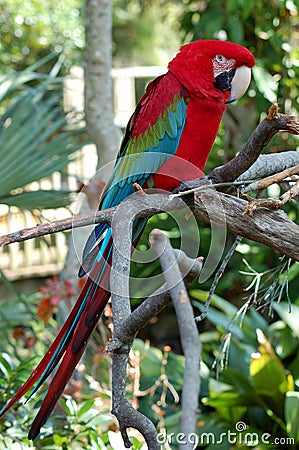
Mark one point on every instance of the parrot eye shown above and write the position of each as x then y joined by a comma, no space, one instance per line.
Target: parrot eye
220,58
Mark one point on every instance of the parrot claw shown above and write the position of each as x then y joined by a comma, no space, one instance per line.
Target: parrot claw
138,188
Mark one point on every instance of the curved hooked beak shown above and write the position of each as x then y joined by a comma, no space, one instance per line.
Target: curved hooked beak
234,80
240,83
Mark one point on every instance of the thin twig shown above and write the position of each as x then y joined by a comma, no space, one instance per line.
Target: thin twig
215,185
278,177
273,169
56,226
217,277
254,203
267,165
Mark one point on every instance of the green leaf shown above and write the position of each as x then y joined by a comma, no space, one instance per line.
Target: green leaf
291,318
5,365
265,83
69,405
232,399
283,339
35,139
236,29
42,199
86,406
269,378
240,381
291,409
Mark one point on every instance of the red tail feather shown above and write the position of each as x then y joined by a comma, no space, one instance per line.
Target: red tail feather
81,335
39,370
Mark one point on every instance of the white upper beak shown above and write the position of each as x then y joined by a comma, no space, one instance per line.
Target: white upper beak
240,83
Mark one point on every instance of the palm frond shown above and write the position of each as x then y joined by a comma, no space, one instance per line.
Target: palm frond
35,138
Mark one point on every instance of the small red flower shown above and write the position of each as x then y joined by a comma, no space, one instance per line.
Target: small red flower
19,334
45,309
53,292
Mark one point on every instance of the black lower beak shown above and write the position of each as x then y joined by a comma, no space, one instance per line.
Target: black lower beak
223,81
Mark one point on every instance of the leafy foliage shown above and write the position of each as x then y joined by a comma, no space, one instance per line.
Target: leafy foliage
145,33
247,375
266,29
255,386
30,30
36,138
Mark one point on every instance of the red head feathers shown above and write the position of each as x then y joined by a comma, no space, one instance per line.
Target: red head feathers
198,64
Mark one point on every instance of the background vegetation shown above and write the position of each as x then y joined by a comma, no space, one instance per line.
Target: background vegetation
247,375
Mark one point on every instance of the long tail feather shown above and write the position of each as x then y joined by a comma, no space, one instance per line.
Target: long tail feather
56,347
71,358
69,345
91,297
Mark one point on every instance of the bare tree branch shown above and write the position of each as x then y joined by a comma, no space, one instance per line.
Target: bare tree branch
126,415
188,332
125,328
267,165
147,208
254,203
278,177
272,228
56,226
154,304
263,133
277,223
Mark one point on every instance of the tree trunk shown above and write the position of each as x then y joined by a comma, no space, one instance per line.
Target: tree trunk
99,112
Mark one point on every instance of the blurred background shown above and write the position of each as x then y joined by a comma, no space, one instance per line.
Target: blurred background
48,155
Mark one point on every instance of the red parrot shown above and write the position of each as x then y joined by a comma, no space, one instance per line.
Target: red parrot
167,141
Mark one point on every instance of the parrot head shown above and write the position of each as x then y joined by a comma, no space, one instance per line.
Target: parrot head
214,69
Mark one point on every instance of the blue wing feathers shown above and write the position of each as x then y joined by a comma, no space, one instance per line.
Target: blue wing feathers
139,157
142,157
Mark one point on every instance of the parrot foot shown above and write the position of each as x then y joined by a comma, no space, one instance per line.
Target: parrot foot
138,188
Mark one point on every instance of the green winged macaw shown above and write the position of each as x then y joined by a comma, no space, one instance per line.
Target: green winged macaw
167,141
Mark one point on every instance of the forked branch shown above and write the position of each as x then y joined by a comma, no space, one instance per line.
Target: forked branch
272,228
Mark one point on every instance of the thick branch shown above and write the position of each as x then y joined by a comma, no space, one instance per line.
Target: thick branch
188,332
154,304
119,281
122,341
233,208
267,165
254,146
272,228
